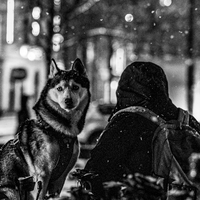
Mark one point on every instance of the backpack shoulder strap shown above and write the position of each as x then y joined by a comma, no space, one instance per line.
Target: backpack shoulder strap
183,117
143,112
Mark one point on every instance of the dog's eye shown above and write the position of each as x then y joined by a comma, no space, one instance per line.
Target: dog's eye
75,87
59,88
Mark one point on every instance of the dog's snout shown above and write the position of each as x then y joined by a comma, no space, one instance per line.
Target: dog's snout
69,102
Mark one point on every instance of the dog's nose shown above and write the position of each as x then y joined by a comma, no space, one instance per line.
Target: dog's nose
69,102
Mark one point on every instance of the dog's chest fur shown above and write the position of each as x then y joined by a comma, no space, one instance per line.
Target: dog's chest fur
56,148
66,125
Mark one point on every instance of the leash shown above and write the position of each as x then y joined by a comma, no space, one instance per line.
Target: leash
39,187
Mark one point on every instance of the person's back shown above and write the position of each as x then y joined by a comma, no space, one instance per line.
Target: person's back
125,145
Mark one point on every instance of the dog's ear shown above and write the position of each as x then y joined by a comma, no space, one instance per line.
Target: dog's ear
53,69
79,67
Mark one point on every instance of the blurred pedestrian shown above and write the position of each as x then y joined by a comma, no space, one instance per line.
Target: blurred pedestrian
125,145
23,113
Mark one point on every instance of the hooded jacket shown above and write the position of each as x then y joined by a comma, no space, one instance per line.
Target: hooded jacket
125,145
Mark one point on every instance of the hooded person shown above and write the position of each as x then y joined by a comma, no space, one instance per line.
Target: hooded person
125,144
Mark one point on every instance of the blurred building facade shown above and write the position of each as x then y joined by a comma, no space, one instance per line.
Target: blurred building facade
22,67
3,15
106,38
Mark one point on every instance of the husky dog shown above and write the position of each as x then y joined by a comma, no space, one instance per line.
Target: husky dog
34,165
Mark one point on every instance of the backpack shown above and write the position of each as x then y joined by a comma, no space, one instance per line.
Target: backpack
173,144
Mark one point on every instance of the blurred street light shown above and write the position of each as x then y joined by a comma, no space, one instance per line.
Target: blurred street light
57,40
36,13
56,23
31,52
10,22
129,17
35,28
165,2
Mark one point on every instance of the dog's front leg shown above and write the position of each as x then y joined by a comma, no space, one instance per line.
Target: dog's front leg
45,161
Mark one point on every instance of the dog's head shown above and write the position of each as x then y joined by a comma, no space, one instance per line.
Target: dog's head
69,88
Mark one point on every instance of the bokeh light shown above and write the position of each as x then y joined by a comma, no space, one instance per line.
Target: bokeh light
165,2
129,17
